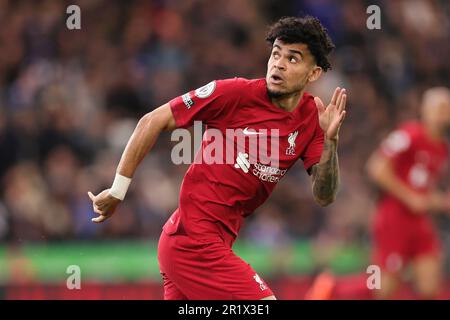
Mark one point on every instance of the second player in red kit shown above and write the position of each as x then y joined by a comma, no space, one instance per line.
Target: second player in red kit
195,248
407,167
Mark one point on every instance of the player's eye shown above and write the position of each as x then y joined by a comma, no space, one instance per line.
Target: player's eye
276,54
293,59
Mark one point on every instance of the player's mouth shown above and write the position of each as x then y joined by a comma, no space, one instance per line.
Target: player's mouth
276,79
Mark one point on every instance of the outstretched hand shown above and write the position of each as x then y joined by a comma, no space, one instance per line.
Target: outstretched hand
331,117
447,202
104,204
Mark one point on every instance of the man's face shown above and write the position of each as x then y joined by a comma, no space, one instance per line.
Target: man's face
290,68
445,114
437,114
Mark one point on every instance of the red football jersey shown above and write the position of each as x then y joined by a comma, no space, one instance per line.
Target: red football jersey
417,160
215,197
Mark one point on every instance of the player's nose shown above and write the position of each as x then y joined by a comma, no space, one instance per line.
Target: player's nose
280,64
280,67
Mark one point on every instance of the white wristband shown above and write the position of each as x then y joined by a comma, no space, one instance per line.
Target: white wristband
120,186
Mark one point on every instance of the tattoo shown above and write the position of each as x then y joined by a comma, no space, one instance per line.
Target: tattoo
325,174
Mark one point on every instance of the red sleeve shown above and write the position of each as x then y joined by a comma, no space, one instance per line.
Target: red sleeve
397,143
313,151
209,104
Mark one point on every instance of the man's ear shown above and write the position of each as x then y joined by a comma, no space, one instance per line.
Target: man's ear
315,74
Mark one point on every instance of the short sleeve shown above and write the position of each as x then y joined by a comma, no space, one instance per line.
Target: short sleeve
210,104
313,151
397,143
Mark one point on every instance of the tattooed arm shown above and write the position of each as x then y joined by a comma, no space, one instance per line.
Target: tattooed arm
325,174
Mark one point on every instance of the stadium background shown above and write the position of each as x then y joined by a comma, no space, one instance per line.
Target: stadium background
69,99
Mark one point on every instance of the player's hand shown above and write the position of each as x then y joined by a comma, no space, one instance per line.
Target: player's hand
446,202
438,202
104,204
432,202
331,117
419,203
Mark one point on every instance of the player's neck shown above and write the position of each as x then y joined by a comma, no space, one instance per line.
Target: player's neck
288,103
434,132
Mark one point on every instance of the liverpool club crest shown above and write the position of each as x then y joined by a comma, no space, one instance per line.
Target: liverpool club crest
290,150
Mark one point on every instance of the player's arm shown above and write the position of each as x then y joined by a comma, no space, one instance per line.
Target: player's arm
144,137
140,143
325,174
380,170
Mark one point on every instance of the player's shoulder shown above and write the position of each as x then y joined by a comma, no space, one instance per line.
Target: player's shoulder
308,100
239,83
413,129
402,138
240,88
308,105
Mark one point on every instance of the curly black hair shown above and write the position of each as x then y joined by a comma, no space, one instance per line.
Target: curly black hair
307,30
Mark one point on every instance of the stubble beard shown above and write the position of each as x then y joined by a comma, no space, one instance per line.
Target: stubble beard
281,94
276,94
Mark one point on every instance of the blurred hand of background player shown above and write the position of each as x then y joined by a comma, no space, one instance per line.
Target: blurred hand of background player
104,204
434,202
331,117
419,203
447,202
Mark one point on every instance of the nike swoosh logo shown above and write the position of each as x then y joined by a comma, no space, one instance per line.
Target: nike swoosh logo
246,132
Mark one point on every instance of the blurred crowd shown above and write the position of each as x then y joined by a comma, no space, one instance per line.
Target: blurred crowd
70,99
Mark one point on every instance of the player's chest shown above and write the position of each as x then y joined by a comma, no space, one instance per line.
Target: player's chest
426,165
282,137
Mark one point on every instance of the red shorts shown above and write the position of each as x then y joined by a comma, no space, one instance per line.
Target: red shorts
399,238
200,270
